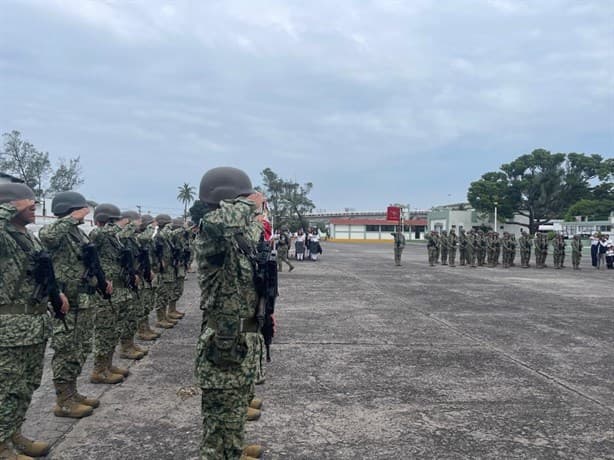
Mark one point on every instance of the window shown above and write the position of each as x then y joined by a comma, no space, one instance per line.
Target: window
373,228
387,228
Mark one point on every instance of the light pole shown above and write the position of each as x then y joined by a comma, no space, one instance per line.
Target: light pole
495,216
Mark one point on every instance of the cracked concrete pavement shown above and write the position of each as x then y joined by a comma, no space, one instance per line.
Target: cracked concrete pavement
383,362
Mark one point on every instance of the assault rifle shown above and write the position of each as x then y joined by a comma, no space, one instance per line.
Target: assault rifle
159,253
126,260
93,269
46,284
176,253
145,265
265,280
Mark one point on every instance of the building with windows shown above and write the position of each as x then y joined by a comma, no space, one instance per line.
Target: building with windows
360,229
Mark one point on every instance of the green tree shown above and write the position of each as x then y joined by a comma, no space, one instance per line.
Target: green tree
540,186
67,176
186,196
288,200
590,209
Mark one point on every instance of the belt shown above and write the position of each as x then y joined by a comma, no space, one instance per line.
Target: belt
23,309
247,325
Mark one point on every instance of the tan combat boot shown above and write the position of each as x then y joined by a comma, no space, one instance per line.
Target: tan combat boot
151,331
102,373
124,372
173,321
162,322
7,452
256,403
92,402
143,333
128,350
173,312
66,406
253,414
252,451
28,447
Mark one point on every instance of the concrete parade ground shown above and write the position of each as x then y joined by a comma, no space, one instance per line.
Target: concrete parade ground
373,361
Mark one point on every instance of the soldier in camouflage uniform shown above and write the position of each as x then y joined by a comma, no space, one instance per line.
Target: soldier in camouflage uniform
283,245
472,248
513,250
431,246
506,249
163,243
107,327
399,245
129,316
524,243
182,254
24,323
72,343
541,249
576,252
228,302
149,282
558,253
462,246
452,244
443,244
482,244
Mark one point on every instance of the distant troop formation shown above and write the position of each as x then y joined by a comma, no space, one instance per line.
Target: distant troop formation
477,248
102,286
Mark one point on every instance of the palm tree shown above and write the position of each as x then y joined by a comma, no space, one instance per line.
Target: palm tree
186,196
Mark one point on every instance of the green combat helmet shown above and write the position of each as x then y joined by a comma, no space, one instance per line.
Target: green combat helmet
106,212
163,219
14,192
64,203
224,183
177,222
146,219
131,215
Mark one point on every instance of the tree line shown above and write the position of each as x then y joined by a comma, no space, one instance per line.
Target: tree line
542,186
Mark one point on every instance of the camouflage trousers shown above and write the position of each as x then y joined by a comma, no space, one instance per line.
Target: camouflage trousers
21,370
256,354
148,300
224,413
178,291
165,294
444,256
72,346
397,255
576,257
282,256
106,328
129,317
452,257
432,256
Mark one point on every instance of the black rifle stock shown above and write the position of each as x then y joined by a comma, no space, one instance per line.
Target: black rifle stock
145,265
93,269
126,260
47,285
265,279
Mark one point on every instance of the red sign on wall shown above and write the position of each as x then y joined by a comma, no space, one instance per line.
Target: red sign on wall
393,213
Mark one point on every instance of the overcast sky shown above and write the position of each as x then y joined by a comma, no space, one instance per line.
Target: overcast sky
373,101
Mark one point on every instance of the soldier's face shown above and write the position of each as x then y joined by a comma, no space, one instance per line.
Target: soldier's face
27,216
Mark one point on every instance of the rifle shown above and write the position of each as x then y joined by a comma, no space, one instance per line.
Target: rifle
176,253
145,265
46,284
93,269
126,260
159,253
265,280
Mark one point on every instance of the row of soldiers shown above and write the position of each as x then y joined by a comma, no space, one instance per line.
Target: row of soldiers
103,287
477,248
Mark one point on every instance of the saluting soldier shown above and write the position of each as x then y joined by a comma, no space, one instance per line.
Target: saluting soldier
24,322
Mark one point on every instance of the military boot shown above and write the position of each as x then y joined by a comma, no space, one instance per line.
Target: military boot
143,333
103,374
7,452
162,322
124,372
28,447
243,457
256,403
253,414
168,319
253,451
92,402
128,350
173,312
66,405
151,331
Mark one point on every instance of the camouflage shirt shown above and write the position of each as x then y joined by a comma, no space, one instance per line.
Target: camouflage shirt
65,240
227,287
17,286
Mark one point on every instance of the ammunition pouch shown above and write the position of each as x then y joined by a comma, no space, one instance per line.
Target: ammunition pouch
227,348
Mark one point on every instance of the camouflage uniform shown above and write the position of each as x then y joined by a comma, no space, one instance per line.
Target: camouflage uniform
107,325
443,244
166,289
576,252
506,248
133,310
462,247
524,242
452,244
282,251
399,245
181,244
472,247
431,247
558,253
228,301
24,325
148,289
64,241
482,247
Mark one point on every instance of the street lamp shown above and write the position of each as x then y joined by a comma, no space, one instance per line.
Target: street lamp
495,203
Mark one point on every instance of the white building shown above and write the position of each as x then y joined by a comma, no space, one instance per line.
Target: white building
346,229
